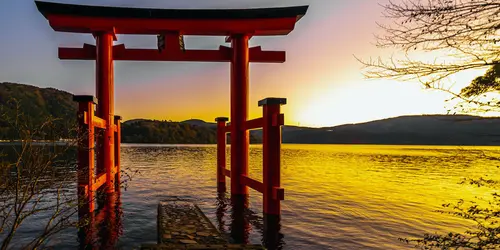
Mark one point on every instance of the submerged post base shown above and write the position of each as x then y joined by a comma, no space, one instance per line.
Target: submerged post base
272,237
182,225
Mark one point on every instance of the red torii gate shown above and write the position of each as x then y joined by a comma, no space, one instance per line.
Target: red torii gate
238,25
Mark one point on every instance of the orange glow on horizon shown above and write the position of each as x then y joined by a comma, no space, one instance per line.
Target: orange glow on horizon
321,79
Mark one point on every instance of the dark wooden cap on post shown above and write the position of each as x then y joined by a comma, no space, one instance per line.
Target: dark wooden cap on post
118,118
85,98
272,101
221,119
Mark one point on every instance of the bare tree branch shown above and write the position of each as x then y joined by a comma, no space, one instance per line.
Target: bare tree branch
464,32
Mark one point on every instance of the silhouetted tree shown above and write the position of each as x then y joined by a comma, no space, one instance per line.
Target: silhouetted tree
465,33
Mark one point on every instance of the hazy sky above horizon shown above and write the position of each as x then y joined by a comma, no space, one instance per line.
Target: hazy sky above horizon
321,78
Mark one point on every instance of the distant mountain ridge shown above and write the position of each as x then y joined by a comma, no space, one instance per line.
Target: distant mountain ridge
198,122
414,129
424,129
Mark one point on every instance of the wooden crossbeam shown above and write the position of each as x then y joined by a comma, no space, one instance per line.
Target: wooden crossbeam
96,121
99,181
255,185
223,54
227,172
99,122
255,123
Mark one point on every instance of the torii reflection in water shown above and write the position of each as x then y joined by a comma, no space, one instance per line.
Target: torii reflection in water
241,217
102,228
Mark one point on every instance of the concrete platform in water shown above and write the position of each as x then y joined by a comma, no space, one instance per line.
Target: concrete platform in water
182,225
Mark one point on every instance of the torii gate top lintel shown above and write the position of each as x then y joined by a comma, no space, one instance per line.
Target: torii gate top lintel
216,22
171,24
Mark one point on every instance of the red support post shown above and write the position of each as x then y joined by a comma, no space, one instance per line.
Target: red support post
239,113
86,152
221,153
105,109
118,138
271,136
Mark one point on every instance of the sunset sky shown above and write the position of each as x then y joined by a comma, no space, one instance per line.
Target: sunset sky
321,78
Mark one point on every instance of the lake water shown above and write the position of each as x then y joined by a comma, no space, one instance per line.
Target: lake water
336,196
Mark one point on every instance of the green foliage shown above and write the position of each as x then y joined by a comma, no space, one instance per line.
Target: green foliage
484,212
489,82
461,35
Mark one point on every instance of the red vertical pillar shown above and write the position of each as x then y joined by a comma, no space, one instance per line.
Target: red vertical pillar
118,138
239,113
105,109
271,137
86,159
221,153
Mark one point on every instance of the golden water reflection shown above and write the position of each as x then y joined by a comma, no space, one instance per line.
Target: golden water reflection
341,196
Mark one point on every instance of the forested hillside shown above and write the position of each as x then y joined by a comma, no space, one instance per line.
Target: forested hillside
149,131
188,132
39,104
31,107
